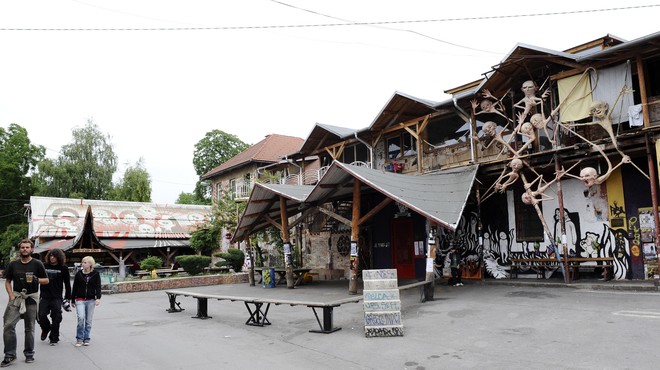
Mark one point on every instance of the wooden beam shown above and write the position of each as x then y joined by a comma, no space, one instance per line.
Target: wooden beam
273,222
335,216
641,76
374,210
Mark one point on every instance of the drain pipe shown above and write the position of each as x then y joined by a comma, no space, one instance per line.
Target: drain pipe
468,120
371,152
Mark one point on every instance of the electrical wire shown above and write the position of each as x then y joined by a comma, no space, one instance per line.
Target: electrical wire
349,24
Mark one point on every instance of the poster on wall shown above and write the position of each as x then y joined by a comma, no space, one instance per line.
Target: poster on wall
646,224
649,252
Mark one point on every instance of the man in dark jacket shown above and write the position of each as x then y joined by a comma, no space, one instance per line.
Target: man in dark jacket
51,302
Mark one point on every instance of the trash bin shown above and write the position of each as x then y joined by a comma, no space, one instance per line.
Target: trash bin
268,277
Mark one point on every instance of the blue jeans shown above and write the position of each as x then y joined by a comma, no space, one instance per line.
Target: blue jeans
10,319
85,311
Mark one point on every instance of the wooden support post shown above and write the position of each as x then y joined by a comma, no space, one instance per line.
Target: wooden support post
355,236
430,257
288,266
248,249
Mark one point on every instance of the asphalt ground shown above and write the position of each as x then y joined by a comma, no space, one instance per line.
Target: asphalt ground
522,324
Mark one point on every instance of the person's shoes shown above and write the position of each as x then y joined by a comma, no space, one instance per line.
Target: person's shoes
44,334
29,359
78,344
7,361
460,284
53,342
86,343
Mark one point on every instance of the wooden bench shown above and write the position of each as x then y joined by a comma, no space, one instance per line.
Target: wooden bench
255,307
576,263
539,265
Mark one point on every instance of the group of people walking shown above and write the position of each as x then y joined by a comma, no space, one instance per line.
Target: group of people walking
24,276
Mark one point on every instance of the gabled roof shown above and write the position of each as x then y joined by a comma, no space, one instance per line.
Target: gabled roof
65,218
400,108
648,45
323,135
269,150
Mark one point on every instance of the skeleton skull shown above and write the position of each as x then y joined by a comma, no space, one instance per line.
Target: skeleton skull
589,176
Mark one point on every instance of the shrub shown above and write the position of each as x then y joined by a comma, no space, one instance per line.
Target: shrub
193,264
233,258
151,263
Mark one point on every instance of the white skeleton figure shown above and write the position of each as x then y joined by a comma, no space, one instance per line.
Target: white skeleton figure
602,116
490,104
490,131
516,165
589,175
539,123
529,197
529,103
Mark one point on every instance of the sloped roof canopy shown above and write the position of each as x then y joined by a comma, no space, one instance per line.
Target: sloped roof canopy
264,204
439,196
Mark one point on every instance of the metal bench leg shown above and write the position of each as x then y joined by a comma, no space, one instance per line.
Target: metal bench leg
202,309
258,317
174,305
326,327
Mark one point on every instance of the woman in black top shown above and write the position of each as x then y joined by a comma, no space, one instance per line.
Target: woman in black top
86,294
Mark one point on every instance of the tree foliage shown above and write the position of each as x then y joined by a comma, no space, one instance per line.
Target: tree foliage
233,258
84,168
135,186
193,265
214,149
10,238
18,159
226,211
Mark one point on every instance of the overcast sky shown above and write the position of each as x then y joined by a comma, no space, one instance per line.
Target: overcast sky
157,75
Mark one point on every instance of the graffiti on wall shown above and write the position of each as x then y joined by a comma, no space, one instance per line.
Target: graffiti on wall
500,246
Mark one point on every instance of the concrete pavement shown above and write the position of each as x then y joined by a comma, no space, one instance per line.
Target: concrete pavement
488,324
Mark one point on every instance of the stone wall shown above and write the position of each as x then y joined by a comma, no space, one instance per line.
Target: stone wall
175,283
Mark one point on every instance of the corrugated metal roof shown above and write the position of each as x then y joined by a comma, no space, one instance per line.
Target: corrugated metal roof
401,108
269,150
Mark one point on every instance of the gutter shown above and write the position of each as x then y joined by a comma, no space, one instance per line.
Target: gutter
371,152
469,120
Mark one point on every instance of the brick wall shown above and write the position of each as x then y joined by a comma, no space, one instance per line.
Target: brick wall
175,283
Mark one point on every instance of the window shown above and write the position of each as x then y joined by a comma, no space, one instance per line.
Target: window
448,131
353,153
401,146
528,226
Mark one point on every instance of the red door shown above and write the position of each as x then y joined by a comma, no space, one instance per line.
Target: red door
403,245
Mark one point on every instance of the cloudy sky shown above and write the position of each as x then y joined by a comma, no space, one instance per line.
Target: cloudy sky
157,75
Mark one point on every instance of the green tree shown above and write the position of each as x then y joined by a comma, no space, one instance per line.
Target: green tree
206,238
18,159
9,239
84,168
135,186
190,198
213,150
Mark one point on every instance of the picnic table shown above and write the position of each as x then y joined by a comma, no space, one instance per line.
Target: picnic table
280,275
159,272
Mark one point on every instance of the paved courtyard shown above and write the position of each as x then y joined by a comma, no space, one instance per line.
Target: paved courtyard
477,326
